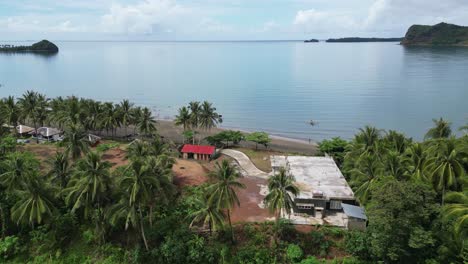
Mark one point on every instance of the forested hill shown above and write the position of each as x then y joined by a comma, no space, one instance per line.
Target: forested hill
440,34
43,46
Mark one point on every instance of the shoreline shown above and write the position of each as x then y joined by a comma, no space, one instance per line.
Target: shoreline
169,130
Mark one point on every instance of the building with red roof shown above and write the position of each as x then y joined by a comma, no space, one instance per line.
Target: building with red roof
198,152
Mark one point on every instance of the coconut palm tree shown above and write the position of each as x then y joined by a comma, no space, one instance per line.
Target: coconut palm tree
396,165
109,118
93,114
136,114
417,158
195,111
60,169
17,168
35,204
125,111
10,111
139,186
89,188
209,118
457,209
29,104
281,193
183,118
75,141
368,171
146,124
440,130
223,189
208,215
446,168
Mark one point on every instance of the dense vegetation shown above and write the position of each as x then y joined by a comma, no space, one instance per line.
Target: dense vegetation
75,208
43,46
356,39
414,194
440,34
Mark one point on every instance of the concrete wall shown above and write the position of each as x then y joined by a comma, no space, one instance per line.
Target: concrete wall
356,224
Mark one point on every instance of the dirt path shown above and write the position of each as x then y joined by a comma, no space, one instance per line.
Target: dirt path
245,163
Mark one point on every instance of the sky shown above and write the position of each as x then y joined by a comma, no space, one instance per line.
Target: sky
220,19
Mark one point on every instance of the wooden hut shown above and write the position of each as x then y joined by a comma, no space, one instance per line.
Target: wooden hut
198,152
23,130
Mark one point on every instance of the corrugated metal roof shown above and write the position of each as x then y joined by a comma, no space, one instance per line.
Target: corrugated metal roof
354,211
209,150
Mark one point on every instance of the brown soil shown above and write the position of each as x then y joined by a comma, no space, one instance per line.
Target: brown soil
116,157
189,172
250,198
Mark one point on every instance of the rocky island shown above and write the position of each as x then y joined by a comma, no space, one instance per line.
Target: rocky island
311,41
356,39
43,46
442,34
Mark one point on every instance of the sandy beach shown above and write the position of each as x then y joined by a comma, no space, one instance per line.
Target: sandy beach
168,130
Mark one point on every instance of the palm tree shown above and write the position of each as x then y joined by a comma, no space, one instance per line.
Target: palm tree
183,118
136,114
397,141
93,112
140,185
281,190
446,168
223,190
10,111
368,138
417,158
368,171
457,209
109,118
440,130
35,204
60,169
195,110
90,187
396,165
125,111
209,118
146,123
17,169
208,214
29,104
75,141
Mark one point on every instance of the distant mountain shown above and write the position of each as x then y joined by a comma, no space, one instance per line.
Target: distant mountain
311,40
356,39
440,34
43,46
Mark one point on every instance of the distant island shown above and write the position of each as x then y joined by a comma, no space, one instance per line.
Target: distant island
440,34
356,39
311,40
43,46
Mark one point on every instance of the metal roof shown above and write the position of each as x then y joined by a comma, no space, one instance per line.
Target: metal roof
198,149
354,211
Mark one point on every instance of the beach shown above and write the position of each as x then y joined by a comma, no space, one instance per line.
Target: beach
168,130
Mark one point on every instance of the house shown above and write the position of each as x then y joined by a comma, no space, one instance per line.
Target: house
198,152
355,217
23,130
48,133
323,188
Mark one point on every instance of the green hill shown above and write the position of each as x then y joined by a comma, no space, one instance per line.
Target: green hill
43,46
440,34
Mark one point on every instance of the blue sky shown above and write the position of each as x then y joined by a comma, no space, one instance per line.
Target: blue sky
220,19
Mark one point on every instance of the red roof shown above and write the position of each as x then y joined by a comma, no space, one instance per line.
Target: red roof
198,149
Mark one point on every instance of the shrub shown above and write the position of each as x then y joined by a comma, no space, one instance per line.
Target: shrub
310,260
106,147
9,247
356,243
294,253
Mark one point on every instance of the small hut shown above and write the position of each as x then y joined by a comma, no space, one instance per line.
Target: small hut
48,133
197,152
93,140
23,130
356,218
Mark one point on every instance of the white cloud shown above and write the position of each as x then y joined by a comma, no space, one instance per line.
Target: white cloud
313,21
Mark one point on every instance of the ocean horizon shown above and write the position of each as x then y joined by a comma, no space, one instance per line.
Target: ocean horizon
260,85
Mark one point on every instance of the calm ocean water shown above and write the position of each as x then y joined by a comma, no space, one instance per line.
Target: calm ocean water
271,86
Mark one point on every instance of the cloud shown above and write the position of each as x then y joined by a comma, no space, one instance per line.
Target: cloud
314,21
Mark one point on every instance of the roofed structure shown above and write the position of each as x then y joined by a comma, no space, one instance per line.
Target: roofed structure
199,152
22,129
354,211
48,131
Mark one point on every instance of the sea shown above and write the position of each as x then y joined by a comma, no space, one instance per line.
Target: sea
279,87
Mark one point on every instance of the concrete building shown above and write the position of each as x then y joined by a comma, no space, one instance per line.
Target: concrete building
197,152
323,188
